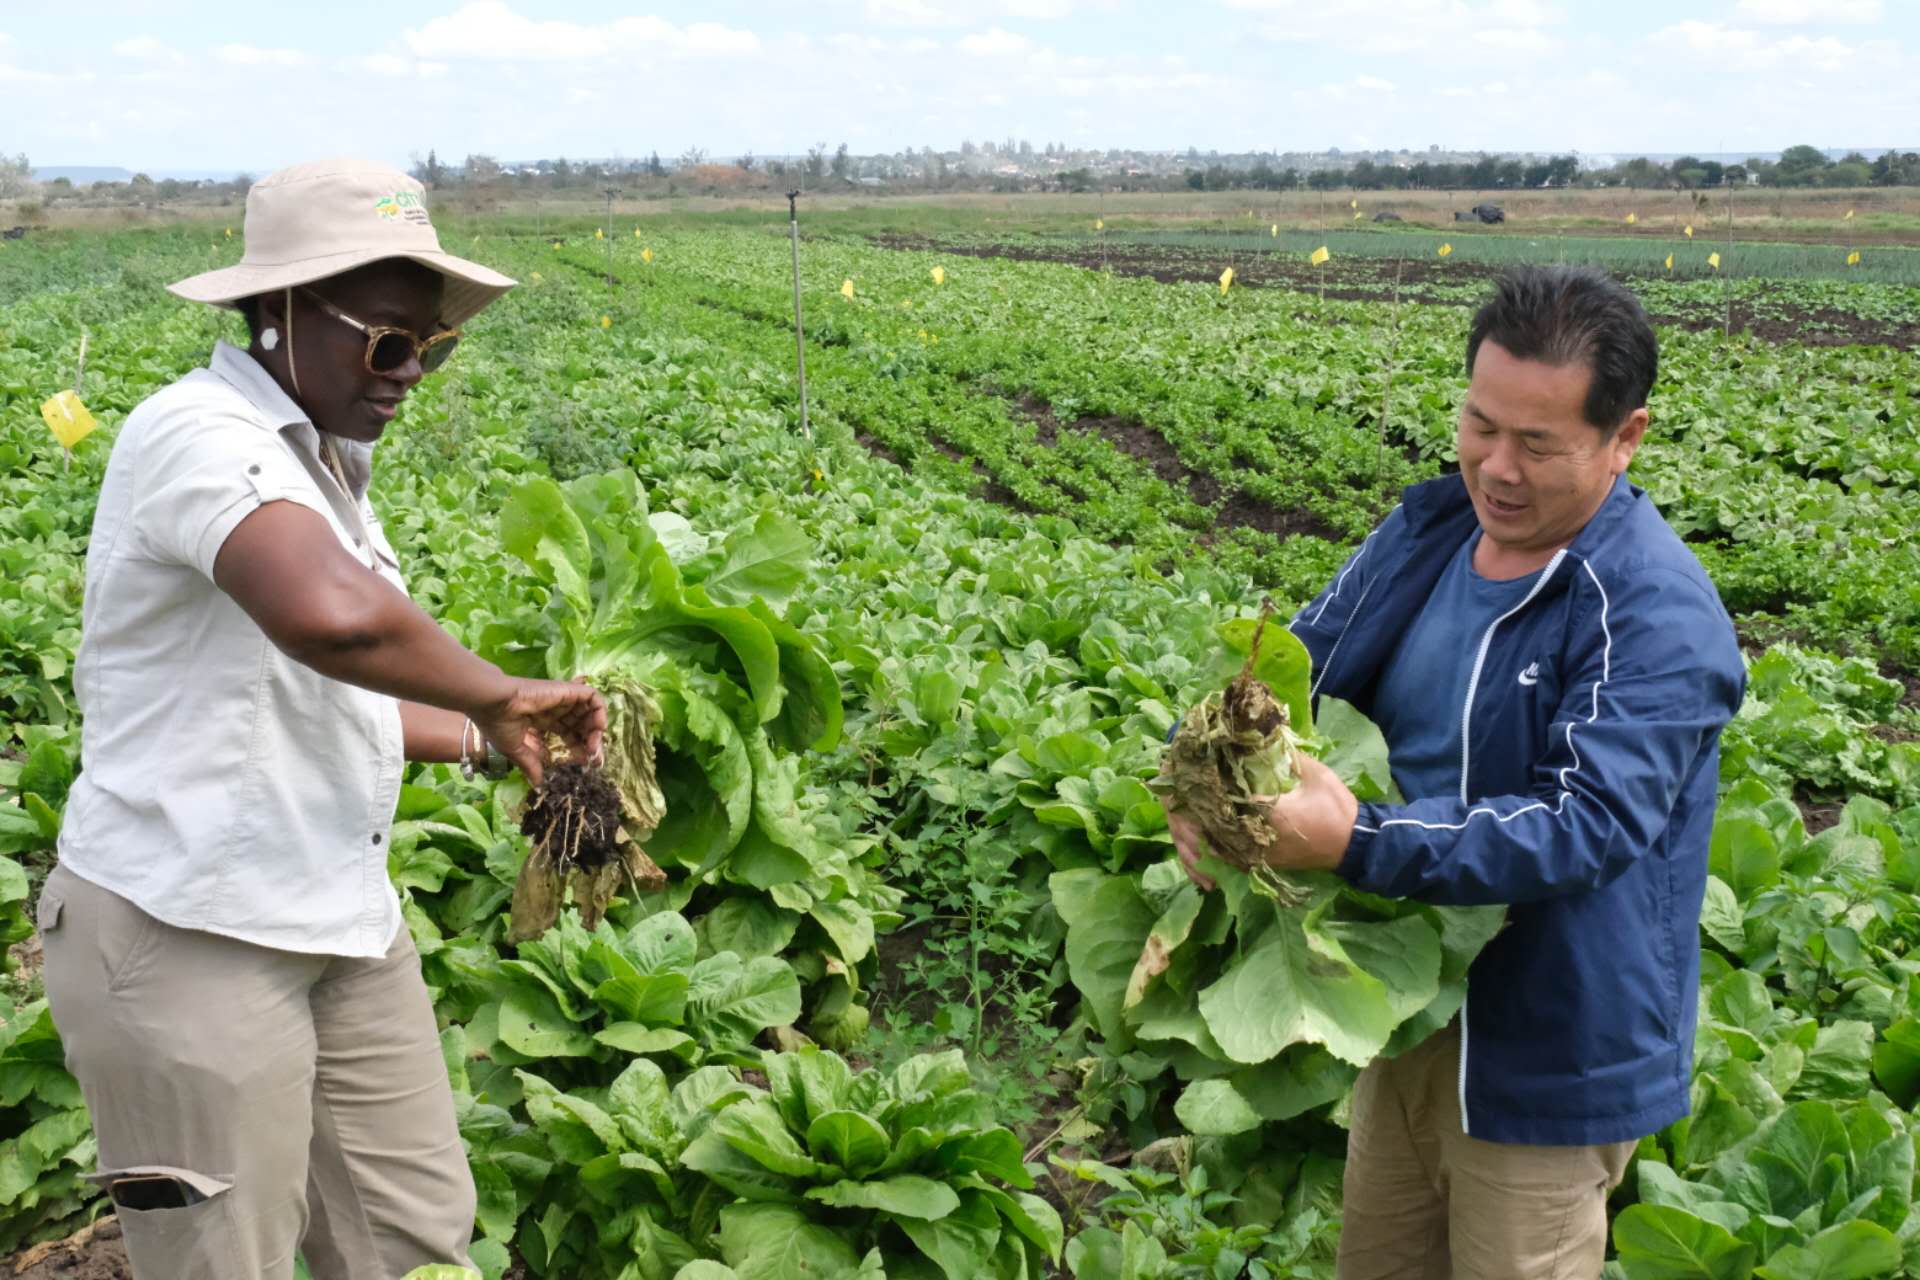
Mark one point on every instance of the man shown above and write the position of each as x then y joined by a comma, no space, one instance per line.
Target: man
1551,669
225,956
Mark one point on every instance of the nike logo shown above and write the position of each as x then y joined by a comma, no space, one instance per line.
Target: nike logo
1531,676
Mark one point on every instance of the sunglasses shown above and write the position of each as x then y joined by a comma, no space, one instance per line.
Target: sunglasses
389,348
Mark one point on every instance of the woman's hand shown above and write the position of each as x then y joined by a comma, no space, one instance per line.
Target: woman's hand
518,726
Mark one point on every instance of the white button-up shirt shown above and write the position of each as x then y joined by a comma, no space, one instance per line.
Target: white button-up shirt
225,787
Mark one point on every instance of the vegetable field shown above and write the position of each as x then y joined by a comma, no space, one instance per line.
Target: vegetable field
892,1012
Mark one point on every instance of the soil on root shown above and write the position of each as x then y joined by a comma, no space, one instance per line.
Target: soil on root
95,1252
576,815
1372,279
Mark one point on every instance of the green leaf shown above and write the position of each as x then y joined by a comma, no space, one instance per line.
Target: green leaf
1796,1159
1896,1061
768,560
1850,1251
1839,1062
904,1195
748,926
728,1003
631,1037
775,1242
960,1243
540,526
1031,1216
811,713
1744,855
1298,985
1658,1242
1721,917
706,1269
1214,1109
854,1141
1359,751
994,1153
532,1024
1104,941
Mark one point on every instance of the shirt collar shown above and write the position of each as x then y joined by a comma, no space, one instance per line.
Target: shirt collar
278,412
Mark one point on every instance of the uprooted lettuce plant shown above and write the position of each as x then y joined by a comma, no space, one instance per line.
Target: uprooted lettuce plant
711,695
1266,997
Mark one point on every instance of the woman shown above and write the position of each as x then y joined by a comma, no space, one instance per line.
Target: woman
225,957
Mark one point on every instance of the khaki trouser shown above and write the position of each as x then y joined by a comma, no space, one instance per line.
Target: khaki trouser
1424,1201
304,1096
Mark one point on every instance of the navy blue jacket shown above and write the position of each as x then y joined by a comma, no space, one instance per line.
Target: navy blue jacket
1588,777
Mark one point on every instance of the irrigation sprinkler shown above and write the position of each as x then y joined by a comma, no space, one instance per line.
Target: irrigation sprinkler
799,327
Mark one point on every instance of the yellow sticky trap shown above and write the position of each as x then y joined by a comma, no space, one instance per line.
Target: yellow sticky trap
1226,281
230,230
1099,224
646,255
1319,256
636,233
606,322
1632,218
939,275
1853,259
1713,260
1274,231
1443,251
1353,204
846,288
1849,217
68,419
1687,231
1357,215
1669,262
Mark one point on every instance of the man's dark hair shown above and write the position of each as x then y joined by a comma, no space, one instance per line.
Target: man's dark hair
1574,315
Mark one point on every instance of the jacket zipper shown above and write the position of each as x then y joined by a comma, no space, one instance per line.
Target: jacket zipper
1466,731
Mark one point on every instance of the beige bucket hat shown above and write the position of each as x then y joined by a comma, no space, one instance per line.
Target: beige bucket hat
316,220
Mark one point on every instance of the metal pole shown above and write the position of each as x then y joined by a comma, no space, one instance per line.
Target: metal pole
799,327
611,193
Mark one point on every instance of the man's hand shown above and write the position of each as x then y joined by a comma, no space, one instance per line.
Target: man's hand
1314,820
1191,846
518,728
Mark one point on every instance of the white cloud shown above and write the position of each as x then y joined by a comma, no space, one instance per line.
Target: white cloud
391,66
246,55
489,30
1374,83
1741,49
1521,41
911,13
147,49
1800,13
994,42
1042,9
1434,27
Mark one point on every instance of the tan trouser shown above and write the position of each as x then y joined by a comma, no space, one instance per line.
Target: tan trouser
304,1095
1424,1201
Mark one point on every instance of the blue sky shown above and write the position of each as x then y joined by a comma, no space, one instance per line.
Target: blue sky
154,85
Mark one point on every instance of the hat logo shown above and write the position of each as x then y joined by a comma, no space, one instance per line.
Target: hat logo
401,206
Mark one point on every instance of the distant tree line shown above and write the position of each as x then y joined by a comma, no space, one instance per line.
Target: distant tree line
1800,166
